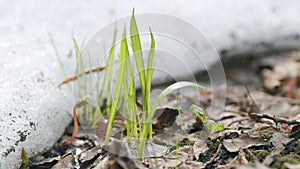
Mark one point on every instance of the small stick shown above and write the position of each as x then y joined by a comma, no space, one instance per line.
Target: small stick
215,155
275,119
73,78
256,116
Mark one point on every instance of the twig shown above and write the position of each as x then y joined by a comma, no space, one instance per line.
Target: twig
275,119
238,121
216,155
256,116
73,78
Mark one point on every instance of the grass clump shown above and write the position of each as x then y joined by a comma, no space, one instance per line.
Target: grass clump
138,127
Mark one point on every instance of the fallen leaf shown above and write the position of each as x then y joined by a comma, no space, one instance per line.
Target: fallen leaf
89,154
102,163
165,117
278,138
199,147
292,166
67,161
257,165
191,164
234,145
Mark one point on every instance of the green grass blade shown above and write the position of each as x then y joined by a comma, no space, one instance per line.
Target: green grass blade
149,71
150,68
24,157
124,54
163,94
134,109
169,90
58,58
150,62
138,55
79,64
108,73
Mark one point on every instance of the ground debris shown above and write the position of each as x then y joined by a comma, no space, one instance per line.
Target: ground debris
261,128
234,145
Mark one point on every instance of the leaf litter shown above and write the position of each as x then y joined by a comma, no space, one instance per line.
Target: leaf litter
261,127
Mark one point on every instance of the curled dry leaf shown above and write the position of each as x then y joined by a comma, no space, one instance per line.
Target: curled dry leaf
79,102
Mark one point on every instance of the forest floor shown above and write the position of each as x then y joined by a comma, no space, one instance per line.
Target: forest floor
260,117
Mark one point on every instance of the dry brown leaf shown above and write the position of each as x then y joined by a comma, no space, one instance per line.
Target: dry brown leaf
89,154
292,166
165,118
191,164
66,162
234,145
199,147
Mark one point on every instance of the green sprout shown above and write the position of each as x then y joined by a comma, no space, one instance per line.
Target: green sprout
24,157
138,128
209,125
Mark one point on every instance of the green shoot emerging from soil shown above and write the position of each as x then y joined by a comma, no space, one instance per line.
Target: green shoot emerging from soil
124,99
125,92
209,125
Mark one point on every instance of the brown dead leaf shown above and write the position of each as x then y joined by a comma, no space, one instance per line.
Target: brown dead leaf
237,162
292,166
67,161
278,138
199,147
46,163
102,163
172,160
165,117
281,76
234,145
191,164
89,154
119,157
257,165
